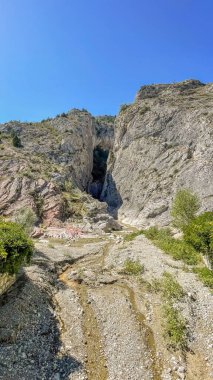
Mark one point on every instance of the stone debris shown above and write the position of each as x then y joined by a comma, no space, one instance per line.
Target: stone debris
70,300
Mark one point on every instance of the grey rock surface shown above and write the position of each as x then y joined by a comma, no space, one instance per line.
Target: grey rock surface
55,159
163,142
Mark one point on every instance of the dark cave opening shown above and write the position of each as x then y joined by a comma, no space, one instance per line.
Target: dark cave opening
100,157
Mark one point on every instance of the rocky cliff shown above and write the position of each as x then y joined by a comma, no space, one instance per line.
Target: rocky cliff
163,141
53,164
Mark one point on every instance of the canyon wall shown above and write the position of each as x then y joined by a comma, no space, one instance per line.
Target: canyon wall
163,142
55,158
158,144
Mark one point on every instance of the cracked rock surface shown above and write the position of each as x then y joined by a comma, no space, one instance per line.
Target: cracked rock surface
163,142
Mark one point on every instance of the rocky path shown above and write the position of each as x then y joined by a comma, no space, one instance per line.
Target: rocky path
74,314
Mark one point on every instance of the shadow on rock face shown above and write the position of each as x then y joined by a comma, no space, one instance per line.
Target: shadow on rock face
111,195
30,344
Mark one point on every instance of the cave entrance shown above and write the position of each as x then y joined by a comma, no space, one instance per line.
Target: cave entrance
100,157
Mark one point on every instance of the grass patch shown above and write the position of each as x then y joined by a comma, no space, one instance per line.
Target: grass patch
205,275
175,327
171,289
154,233
133,235
178,249
53,241
50,245
132,267
174,324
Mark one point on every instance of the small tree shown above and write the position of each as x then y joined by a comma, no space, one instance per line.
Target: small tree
184,208
123,107
16,140
26,218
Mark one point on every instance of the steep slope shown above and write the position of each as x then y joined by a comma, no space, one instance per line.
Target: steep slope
54,161
163,141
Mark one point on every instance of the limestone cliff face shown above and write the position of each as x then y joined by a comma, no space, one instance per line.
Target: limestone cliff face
55,159
163,141
105,131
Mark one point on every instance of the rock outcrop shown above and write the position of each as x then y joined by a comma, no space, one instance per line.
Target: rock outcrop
163,142
53,166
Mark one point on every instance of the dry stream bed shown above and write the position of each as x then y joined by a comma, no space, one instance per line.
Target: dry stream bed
86,319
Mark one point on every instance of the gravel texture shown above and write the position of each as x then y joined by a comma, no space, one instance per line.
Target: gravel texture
74,314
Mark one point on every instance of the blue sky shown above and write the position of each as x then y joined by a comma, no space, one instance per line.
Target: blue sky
95,54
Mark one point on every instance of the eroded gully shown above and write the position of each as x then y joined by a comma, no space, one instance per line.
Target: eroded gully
109,304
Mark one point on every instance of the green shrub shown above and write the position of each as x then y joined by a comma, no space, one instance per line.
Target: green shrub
184,208
205,275
15,247
173,322
178,249
16,140
133,235
175,327
154,233
199,233
123,107
133,267
170,288
39,203
26,218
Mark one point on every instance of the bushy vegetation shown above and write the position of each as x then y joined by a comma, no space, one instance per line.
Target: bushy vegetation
175,327
46,120
197,237
133,235
174,324
184,208
205,275
63,114
16,140
170,288
154,233
199,234
39,203
178,249
123,107
197,240
132,267
15,247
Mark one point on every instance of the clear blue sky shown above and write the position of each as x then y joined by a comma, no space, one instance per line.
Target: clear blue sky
95,54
